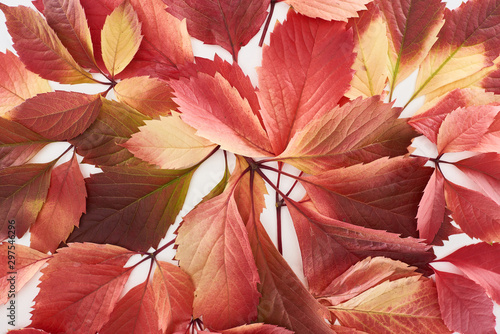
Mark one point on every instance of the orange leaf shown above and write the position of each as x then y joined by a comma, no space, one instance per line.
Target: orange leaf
69,22
58,115
17,83
169,143
329,10
303,75
224,273
150,96
25,262
39,47
135,313
358,132
80,287
406,305
121,38
174,293
63,207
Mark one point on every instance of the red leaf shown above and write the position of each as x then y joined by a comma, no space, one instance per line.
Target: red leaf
360,131
484,170
24,261
69,22
224,274
464,305
406,305
166,43
331,10
39,47
257,329
58,115
174,293
17,143
80,287
480,263
23,190
134,313
432,208
101,143
63,207
364,275
285,301
204,102
429,121
477,214
383,194
462,128
304,74
17,83
132,207
329,247
228,23
410,39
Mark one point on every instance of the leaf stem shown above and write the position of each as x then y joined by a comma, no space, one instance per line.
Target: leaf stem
279,204
266,26
162,248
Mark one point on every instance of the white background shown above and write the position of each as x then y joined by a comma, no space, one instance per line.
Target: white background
211,172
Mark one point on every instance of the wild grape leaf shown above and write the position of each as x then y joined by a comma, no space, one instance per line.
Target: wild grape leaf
467,43
169,143
63,207
258,328
150,96
383,194
484,170
81,299
69,22
291,96
413,27
58,115
358,132
329,10
166,43
464,305
204,101
17,84
404,305
432,208
462,129
174,293
18,144
230,24
285,301
101,143
232,73
477,215
23,190
490,142
371,47
434,112
480,263
40,49
24,261
346,330
329,247
134,313
362,276
224,273
132,207
120,38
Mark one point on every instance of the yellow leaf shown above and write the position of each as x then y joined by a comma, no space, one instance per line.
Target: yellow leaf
371,62
121,38
169,143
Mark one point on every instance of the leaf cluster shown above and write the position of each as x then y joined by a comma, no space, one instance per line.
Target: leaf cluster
324,117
